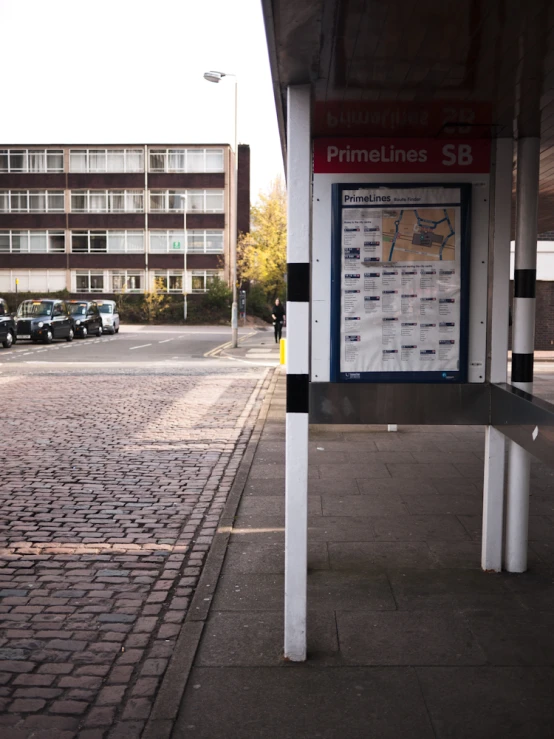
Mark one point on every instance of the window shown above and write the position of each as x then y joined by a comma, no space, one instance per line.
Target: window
201,280
198,201
186,160
32,201
31,160
106,160
32,280
205,242
127,281
170,281
89,281
95,242
107,201
32,242
198,241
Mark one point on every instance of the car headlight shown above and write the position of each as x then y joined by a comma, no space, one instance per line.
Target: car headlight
40,324
108,319
77,323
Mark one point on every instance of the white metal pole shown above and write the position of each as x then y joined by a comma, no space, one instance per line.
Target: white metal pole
234,225
185,284
523,343
298,332
499,302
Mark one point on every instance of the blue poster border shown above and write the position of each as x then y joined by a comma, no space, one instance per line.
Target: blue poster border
452,377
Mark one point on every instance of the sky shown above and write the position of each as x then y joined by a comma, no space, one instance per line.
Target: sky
131,71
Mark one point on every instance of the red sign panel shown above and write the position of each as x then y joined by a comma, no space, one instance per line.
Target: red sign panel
401,156
447,119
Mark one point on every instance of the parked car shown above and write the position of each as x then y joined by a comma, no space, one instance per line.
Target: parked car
86,317
44,320
109,315
8,329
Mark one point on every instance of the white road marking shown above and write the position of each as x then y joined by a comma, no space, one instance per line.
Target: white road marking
142,346
164,341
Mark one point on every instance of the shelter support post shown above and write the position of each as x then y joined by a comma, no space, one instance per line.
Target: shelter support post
497,350
523,341
298,327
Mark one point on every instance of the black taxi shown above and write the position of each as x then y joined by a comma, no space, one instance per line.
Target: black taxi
44,320
8,332
86,317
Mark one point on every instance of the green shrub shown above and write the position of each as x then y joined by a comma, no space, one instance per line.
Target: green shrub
257,303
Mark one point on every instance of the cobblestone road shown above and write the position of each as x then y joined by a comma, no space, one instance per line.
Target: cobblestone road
111,490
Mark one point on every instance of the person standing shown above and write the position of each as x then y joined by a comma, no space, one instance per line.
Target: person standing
278,316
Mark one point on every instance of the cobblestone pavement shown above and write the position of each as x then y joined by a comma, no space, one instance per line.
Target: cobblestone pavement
111,490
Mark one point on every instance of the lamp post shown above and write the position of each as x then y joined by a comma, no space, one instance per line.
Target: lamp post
217,77
184,204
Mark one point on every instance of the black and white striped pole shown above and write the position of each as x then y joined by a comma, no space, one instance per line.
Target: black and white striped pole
298,335
523,344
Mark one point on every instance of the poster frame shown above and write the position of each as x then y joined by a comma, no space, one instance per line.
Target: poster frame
450,377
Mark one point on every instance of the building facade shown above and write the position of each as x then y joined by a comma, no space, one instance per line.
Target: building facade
112,219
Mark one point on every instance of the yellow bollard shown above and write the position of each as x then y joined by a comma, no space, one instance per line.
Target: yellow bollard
283,351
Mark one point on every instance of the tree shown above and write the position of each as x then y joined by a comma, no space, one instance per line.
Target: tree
262,253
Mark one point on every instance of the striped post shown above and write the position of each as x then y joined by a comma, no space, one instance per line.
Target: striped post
523,342
298,327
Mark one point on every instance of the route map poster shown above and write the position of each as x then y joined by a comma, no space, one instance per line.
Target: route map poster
400,282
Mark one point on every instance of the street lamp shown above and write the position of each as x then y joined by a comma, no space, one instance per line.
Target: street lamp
184,204
217,77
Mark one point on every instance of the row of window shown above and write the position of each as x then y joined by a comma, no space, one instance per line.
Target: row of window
112,242
111,201
105,281
112,160
161,281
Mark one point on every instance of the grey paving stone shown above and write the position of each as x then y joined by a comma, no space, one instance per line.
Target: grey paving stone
457,554
352,471
441,589
256,639
382,504
250,557
401,638
544,551
453,456
333,487
299,702
514,638
533,589
541,505
412,444
351,591
444,504
327,457
249,592
265,487
274,505
259,528
396,485
356,457
489,702
340,528
423,471
418,528
540,527
273,471
368,555
458,486
344,445
471,471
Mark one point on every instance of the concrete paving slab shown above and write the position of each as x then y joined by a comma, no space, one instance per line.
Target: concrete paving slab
265,487
401,638
295,701
352,471
395,486
418,528
256,639
523,637
251,557
447,504
485,702
423,471
367,555
441,589
363,505
332,487
274,505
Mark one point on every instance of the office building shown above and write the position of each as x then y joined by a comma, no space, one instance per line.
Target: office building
109,219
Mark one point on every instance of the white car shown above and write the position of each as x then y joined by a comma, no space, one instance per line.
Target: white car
109,315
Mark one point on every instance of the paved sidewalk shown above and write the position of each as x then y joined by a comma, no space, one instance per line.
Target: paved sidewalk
407,636
256,348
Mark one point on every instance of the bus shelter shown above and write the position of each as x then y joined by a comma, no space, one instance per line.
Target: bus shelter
418,142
